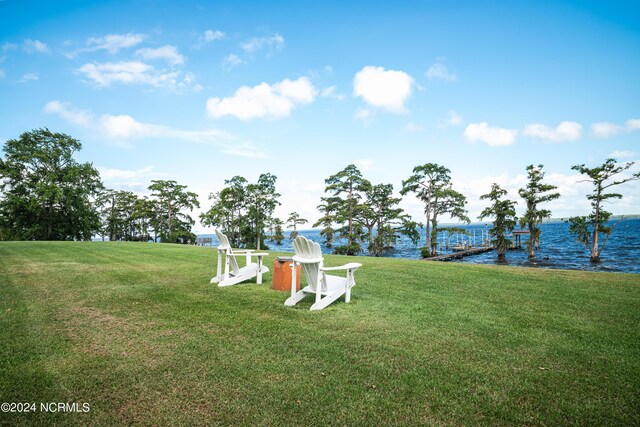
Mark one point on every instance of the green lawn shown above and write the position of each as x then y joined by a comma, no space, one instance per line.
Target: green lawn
137,331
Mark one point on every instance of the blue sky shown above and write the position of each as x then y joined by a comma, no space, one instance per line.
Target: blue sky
202,91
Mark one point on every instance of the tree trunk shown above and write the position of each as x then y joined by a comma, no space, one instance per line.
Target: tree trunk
533,236
258,230
595,252
434,236
351,239
428,227
169,219
49,225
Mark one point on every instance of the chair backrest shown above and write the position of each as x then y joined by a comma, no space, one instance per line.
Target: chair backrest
226,246
307,250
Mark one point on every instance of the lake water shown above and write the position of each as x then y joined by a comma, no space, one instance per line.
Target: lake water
558,249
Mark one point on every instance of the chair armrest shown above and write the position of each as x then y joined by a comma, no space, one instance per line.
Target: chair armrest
242,251
350,266
248,252
307,260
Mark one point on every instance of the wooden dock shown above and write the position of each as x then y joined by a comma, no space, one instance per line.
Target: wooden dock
459,254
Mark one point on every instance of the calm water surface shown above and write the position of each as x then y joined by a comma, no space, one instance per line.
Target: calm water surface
558,248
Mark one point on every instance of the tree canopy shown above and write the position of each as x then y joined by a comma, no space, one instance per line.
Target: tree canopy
262,200
534,193
431,184
244,210
504,218
170,200
346,190
293,221
588,229
380,212
45,193
126,216
277,233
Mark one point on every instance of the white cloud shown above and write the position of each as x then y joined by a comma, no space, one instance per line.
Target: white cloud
134,72
35,46
332,92
272,43
29,77
136,180
210,35
565,131
438,71
112,43
608,129
365,165
363,114
243,149
168,53
604,129
232,60
263,100
8,46
493,136
622,154
125,127
386,89
104,74
412,127
300,90
632,124
110,174
454,119
70,114
122,128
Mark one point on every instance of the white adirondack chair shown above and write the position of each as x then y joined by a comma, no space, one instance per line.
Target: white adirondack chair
234,274
326,288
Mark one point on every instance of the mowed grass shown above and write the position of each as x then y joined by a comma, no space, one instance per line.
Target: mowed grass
137,331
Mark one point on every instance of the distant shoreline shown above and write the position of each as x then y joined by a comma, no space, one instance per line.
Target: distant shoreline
454,224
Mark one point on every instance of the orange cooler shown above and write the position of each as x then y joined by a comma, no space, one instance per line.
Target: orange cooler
282,274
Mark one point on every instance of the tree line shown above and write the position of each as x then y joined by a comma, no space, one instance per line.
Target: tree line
45,194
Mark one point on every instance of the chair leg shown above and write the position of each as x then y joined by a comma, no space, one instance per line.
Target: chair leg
347,291
259,273
294,279
218,277
219,269
318,291
295,298
226,266
324,302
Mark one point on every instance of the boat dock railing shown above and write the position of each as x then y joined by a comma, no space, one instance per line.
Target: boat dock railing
460,254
